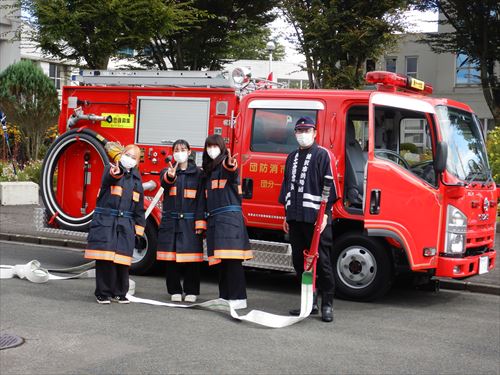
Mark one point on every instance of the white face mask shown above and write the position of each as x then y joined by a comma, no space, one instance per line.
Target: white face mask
305,139
181,156
213,152
127,162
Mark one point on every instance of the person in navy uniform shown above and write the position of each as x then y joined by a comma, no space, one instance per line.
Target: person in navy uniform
303,182
227,238
118,218
180,241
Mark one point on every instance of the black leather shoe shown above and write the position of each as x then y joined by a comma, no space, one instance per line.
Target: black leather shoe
327,314
296,312
327,307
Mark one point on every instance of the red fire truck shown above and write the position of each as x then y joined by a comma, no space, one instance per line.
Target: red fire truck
416,192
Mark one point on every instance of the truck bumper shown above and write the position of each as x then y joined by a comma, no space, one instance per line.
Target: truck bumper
464,267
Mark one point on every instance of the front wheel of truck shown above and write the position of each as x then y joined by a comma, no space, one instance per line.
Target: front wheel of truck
362,267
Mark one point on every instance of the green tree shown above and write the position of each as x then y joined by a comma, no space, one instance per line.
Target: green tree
493,145
474,29
95,30
222,27
29,99
338,36
252,46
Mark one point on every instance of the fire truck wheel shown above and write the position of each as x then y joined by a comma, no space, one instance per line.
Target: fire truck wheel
144,257
362,267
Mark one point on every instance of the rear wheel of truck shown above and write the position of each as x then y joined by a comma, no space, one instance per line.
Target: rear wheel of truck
144,256
362,267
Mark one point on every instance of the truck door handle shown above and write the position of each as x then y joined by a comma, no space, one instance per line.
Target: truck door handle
247,188
375,196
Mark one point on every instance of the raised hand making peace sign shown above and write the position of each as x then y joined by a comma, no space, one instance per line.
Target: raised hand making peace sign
115,169
172,169
231,160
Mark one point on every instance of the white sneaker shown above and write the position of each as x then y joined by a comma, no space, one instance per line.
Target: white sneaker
238,303
190,298
176,298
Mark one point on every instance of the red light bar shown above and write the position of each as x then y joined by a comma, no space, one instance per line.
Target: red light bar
398,80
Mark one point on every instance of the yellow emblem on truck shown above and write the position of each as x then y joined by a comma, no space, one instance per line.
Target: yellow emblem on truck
119,121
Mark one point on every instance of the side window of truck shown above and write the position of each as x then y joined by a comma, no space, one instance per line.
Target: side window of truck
404,137
273,129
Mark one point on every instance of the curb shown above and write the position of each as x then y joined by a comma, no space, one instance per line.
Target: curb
38,240
469,286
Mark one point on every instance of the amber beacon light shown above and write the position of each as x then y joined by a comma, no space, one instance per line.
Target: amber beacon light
400,81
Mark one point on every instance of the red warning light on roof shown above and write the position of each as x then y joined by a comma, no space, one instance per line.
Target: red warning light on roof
398,80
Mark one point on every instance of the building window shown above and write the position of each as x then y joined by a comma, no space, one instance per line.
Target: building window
411,66
467,71
126,52
390,64
370,65
55,73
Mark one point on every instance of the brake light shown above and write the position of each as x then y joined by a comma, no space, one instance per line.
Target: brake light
398,80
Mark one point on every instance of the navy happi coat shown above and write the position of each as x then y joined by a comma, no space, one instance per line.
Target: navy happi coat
112,237
182,214
227,236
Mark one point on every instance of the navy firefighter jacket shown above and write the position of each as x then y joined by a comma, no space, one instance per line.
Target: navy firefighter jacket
227,236
303,182
118,217
183,213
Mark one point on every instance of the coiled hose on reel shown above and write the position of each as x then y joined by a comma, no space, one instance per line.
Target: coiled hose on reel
54,153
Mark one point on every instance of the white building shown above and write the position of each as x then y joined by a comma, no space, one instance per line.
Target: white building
452,76
9,46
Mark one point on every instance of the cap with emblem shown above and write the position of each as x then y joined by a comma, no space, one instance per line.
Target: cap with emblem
305,123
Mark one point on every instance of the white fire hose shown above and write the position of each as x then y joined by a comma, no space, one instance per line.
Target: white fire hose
33,272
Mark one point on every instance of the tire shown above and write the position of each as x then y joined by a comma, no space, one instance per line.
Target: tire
144,257
362,267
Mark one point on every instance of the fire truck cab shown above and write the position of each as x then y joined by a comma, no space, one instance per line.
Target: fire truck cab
415,189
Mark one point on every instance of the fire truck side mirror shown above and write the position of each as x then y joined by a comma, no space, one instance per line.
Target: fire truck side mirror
441,156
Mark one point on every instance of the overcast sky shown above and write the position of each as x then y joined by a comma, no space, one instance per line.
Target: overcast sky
417,21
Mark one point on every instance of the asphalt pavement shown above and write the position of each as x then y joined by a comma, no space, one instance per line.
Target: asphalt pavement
407,331
17,224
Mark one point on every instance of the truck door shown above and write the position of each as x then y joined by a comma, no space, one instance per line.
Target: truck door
401,198
267,141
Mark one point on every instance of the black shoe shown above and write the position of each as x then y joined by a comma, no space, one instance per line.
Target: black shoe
103,300
327,307
327,314
120,299
296,312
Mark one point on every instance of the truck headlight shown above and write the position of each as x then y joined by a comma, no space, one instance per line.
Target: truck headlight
456,230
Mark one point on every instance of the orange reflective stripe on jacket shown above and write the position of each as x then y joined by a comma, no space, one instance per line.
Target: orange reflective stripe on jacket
190,193
189,257
123,259
218,184
99,254
139,230
173,191
200,224
165,255
116,190
136,196
233,254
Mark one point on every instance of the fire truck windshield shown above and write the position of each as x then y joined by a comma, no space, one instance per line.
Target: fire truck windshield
466,148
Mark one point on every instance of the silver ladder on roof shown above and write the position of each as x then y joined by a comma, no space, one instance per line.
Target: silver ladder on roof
154,78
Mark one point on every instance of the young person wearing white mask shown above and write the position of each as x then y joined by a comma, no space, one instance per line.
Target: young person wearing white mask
227,237
118,218
303,182
180,241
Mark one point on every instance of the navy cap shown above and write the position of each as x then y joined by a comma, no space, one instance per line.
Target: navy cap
305,123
